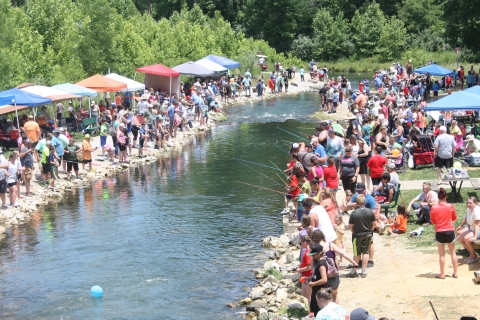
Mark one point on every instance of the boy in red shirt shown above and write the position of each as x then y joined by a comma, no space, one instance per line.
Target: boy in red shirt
293,191
331,176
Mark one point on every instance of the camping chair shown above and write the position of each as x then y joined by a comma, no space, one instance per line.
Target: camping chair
394,202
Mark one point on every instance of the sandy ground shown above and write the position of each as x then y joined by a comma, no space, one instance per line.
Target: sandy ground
402,283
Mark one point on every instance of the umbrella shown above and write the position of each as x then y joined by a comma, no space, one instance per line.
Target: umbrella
338,129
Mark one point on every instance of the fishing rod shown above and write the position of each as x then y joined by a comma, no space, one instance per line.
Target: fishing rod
258,164
286,141
261,173
248,184
276,145
279,169
292,134
286,184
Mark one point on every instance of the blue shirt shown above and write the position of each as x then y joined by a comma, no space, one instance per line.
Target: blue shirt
171,112
435,87
369,201
320,152
302,71
58,146
195,98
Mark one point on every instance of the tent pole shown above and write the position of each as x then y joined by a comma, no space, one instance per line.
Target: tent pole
135,76
170,86
35,113
90,107
16,113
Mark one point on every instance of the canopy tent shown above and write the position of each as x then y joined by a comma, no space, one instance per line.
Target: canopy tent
191,68
158,76
52,93
21,100
102,84
461,100
474,90
132,85
74,89
215,67
225,62
434,70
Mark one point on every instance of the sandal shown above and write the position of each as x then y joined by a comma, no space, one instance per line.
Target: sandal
455,276
438,277
470,261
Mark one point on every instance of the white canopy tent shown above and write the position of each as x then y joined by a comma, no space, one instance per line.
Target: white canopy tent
132,85
215,67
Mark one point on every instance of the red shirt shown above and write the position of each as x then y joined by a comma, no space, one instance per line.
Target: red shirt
306,262
442,216
294,183
376,165
331,177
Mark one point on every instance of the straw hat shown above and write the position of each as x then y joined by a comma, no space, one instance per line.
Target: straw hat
144,97
350,116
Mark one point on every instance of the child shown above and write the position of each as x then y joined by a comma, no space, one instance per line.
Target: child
141,139
53,166
344,207
435,91
331,176
340,230
307,229
400,224
305,267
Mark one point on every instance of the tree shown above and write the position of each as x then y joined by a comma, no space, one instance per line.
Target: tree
419,15
332,36
462,24
392,39
303,47
366,29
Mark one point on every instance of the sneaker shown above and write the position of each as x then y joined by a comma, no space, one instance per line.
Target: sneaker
351,275
5,206
286,210
363,274
16,205
370,264
393,235
381,231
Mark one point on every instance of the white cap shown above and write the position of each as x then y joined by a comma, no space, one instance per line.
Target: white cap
295,146
443,128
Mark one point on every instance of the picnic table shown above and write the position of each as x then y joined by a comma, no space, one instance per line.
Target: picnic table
453,184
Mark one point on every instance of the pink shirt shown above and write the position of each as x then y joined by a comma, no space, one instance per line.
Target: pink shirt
442,216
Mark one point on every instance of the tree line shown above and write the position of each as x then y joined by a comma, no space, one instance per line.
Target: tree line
55,41
304,28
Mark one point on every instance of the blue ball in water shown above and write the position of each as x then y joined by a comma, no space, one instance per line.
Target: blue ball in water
96,291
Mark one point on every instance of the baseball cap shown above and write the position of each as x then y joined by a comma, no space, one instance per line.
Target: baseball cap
314,249
87,136
360,314
295,146
331,131
443,128
360,186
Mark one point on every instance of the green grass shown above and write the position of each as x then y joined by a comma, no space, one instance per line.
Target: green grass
426,240
274,272
429,173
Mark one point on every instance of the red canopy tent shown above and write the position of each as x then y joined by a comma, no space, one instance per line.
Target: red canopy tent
102,84
158,76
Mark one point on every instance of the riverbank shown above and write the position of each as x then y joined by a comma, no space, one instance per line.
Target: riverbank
101,168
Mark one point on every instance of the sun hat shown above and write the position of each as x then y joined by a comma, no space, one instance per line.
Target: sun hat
470,137
350,116
87,136
360,314
144,97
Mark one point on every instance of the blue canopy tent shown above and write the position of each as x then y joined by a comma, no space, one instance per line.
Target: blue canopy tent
461,100
76,89
224,62
434,70
474,90
20,98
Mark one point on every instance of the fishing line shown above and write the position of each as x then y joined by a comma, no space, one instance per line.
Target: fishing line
276,145
258,164
261,173
293,134
248,184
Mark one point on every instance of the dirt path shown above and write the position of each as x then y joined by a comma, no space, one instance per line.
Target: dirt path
402,283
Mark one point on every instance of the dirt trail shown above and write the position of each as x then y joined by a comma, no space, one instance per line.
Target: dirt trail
402,282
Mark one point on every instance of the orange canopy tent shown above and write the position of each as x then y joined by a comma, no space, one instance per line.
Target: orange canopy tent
102,84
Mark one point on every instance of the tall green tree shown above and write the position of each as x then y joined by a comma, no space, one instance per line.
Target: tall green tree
366,29
392,39
462,24
332,37
419,15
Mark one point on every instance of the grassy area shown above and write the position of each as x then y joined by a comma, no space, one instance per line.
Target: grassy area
426,240
430,173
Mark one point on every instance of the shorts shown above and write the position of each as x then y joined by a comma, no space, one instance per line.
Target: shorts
3,186
335,104
28,174
197,108
440,163
330,100
288,196
72,165
361,245
376,181
445,237
121,147
398,231
205,115
435,93
46,168
11,184
103,141
142,141
89,160
334,282
471,229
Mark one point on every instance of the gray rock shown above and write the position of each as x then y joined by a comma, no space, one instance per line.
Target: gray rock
272,280
289,257
256,293
292,276
269,265
246,301
262,314
2,230
295,305
286,282
281,295
257,304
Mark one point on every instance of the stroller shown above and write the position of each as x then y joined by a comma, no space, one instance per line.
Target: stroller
422,154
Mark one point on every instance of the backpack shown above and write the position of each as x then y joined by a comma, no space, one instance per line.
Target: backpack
332,270
111,130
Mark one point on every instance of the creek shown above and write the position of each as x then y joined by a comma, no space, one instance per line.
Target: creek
175,239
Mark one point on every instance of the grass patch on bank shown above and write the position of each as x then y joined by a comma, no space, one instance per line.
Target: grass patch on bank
274,272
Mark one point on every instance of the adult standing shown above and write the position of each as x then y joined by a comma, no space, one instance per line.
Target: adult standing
302,74
32,130
348,171
259,87
381,140
319,151
444,150
469,229
376,164
330,94
319,276
361,223
363,157
142,106
442,215
306,156
87,151
320,219
26,157
398,132
335,147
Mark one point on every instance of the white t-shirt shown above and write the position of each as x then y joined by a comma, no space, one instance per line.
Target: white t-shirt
324,223
332,311
445,144
473,216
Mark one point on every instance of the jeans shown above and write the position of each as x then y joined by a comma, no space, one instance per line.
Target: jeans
424,214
